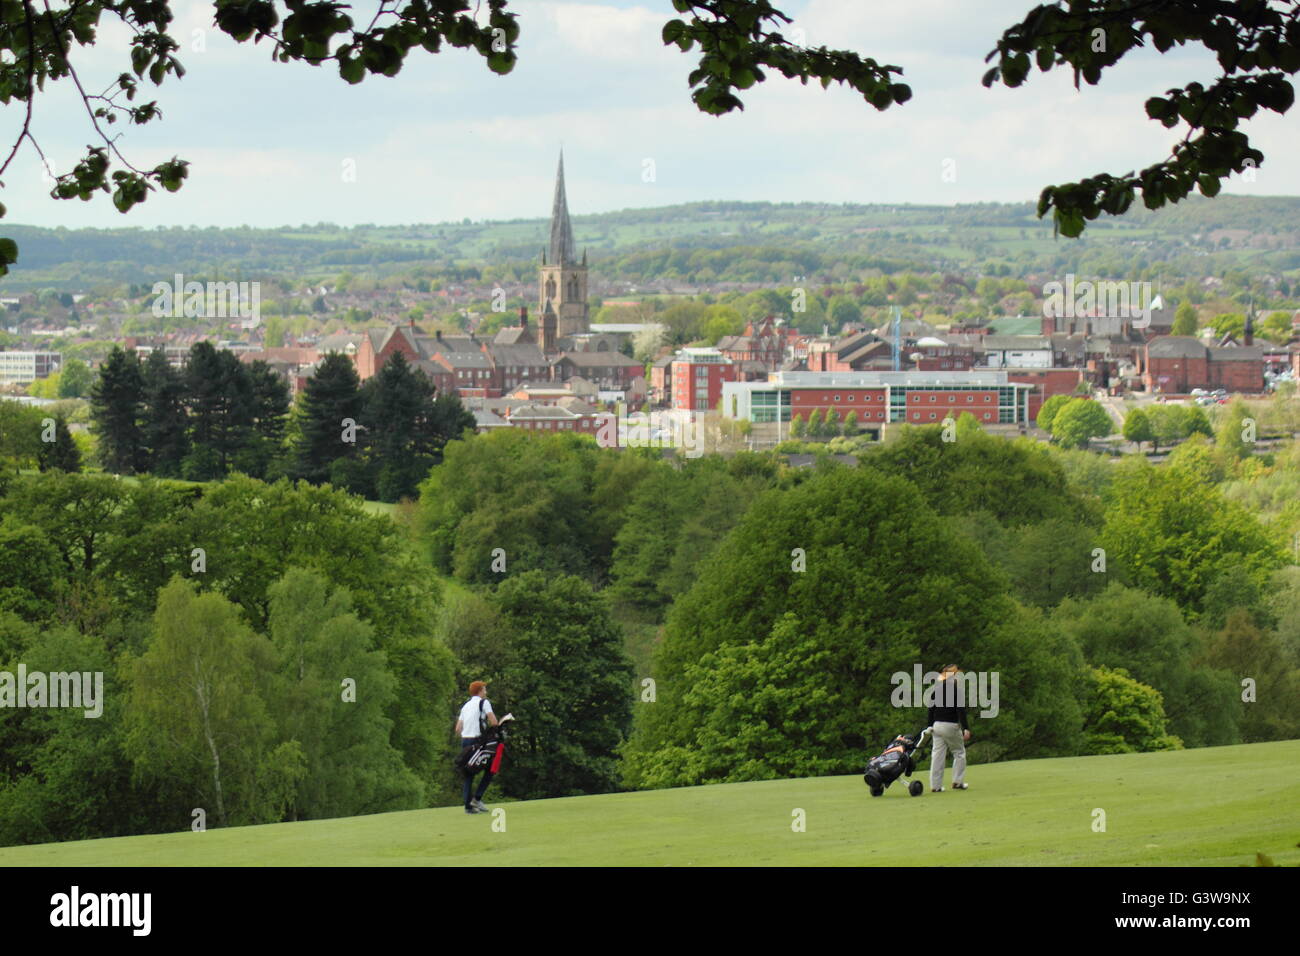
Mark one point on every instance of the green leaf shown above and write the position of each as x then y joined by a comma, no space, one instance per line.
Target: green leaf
352,70
1069,222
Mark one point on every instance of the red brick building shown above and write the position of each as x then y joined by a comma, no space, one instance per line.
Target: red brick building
936,355
1046,382
858,352
1176,364
880,398
570,415
608,370
697,379
661,380
379,345
459,363
763,345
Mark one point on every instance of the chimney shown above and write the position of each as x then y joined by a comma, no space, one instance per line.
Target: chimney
523,316
438,334
1250,328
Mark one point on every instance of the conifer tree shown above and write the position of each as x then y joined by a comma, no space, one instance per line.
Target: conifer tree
165,417
116,403
220,397
332,396
61,454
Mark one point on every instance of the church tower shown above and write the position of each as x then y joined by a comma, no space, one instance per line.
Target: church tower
563,279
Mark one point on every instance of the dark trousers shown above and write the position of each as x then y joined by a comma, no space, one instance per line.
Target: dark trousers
469,777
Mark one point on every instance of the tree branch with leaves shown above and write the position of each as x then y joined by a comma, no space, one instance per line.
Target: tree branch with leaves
1256,43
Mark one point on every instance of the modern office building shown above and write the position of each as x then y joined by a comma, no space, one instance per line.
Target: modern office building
21,368
880,398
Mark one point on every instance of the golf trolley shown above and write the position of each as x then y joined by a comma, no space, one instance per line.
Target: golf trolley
898,760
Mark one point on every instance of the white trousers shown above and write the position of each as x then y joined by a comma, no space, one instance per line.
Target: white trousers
947,736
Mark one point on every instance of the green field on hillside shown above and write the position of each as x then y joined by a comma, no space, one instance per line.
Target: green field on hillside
1209,807
926,237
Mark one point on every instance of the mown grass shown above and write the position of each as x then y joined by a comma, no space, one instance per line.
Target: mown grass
1210,807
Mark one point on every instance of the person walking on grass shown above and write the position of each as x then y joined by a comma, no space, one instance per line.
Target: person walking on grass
471,726
948,720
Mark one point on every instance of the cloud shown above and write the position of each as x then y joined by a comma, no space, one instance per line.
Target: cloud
448,139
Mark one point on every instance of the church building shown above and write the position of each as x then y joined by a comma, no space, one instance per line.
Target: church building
562,282
559,346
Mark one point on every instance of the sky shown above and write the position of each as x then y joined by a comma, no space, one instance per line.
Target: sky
276,144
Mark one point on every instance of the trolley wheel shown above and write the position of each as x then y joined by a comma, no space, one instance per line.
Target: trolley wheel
915,788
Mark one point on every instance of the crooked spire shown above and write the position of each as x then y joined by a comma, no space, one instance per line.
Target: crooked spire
561,250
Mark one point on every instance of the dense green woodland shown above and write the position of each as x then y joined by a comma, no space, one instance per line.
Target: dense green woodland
321,651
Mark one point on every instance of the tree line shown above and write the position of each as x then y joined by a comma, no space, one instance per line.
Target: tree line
217,415
651,622
1122,604
270,652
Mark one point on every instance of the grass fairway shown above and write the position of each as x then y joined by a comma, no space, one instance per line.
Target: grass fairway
1209,807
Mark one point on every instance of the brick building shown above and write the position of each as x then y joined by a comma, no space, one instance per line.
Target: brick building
661,372
856,352
571,415
1045,383
762,344
1176,364
608,370
698,375
933,354
882,398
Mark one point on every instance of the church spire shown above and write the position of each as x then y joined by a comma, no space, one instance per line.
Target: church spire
562,249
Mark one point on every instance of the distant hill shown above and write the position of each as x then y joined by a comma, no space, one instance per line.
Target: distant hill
1198,235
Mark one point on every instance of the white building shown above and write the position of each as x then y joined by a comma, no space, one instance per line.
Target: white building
1017,351
22,368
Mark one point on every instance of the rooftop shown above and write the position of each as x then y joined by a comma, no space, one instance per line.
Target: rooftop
912,379
993,343
1017,325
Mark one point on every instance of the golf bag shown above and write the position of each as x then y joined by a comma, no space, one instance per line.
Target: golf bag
899,759
487,751
486,754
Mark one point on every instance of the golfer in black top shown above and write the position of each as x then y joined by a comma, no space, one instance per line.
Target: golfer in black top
948,721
